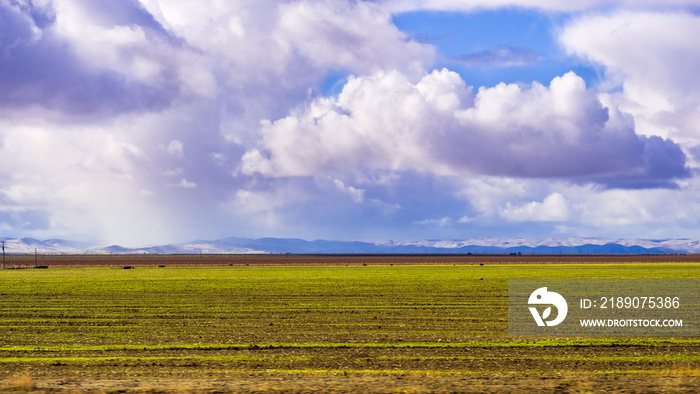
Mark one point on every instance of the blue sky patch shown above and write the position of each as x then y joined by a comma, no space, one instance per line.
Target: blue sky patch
492,46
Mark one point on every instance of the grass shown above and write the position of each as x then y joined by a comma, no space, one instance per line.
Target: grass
270,323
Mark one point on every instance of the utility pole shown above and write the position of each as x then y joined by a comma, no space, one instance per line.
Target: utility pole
3,254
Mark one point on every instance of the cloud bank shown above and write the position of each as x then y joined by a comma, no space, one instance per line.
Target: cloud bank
159,121
385,122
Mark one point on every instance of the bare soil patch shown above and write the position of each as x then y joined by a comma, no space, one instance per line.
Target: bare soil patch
373,383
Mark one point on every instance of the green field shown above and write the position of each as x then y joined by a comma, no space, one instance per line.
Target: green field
303,328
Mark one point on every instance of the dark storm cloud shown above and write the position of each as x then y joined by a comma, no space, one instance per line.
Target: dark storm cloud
39,67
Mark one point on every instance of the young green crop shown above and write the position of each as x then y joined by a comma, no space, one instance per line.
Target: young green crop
445,319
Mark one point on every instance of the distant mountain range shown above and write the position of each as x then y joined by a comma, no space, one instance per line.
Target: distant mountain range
293,245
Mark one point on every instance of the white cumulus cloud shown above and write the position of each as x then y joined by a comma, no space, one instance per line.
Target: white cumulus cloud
386,122
554,208
651,58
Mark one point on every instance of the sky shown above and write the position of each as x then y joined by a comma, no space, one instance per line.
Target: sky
142,122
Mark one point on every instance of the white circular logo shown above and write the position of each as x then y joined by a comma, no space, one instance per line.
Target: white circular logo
543,297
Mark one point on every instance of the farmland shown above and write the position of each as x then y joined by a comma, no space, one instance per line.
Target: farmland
170,260
324,323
